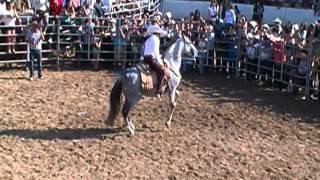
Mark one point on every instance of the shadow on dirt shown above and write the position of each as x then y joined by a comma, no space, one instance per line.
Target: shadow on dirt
63,134
218,89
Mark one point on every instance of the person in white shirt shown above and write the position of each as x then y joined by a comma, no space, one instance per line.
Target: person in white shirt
213,11
152,55
41,8
230,17
9,20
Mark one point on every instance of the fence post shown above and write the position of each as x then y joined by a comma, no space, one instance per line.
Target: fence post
58,42
207,55
28,46
238,54
310,59
89,35
258,73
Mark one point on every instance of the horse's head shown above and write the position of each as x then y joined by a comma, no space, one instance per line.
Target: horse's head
189,48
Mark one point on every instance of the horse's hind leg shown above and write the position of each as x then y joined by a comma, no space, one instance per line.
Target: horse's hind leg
125,113
173,103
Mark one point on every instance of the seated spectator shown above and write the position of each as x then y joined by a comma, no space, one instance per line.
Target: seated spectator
76,4
69,13
106,5
86,11
25,8
98,8
41,8
89,3
56,7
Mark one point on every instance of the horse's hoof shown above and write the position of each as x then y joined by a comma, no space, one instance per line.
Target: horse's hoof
131,131
177,93
108,123
132,126
168,124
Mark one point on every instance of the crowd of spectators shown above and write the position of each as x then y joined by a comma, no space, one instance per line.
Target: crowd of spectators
224,39
281,3
15,14
279,49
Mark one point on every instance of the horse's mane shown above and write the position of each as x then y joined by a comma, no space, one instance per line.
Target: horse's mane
173,40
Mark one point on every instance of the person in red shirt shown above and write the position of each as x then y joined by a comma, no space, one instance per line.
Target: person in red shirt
56,7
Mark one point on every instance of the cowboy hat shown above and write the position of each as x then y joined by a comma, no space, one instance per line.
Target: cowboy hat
156,29
253,24
277,20
266,26
158,13
168,15
295,27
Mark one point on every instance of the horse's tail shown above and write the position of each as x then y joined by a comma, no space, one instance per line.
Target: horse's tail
115,102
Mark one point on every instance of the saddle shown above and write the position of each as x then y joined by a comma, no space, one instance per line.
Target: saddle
149,77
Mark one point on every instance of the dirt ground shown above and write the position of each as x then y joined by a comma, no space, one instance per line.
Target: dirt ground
222,129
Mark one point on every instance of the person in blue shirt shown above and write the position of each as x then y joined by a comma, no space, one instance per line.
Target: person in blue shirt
34,39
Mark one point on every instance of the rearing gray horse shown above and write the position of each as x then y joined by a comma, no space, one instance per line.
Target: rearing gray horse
129,84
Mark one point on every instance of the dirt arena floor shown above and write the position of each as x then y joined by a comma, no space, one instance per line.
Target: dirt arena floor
222,129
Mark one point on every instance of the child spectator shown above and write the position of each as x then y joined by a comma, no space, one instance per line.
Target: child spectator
34,39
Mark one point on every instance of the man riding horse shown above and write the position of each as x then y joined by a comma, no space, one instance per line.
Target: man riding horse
152,56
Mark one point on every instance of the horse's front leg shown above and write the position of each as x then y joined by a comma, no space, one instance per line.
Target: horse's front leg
125,113
173,103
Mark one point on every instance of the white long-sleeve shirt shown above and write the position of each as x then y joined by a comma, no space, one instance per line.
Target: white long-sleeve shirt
213,11
230,17
42,5
152,48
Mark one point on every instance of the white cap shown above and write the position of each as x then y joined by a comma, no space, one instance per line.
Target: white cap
168,14
253,23
277,20
266,26
295,27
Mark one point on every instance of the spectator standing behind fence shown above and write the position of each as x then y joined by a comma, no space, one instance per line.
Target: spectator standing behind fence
87,30
213,11
119,40
96,46
9,19
202,46
34,39
224,4
258,10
